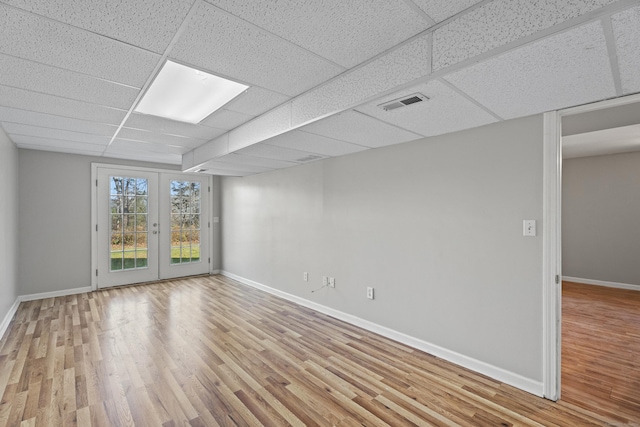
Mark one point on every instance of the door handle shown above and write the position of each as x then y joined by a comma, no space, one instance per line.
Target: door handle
155,231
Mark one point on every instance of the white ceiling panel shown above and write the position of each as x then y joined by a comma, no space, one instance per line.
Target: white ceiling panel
313,143
234,167
358,30
239,159
608,141
279,153
25,74
74,150
226,119
151,147
49,104
65,135
570,68
256,100
171,127
118,152
13,115
222,172
357,128
149,24
499,22
159,138
405,64
50,143
626,29
439,10
211,41
445,111
265,126
32,37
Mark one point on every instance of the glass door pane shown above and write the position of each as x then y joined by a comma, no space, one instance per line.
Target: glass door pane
127,231
184,249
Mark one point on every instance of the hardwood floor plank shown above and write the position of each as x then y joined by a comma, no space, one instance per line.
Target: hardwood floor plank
208,351
600,344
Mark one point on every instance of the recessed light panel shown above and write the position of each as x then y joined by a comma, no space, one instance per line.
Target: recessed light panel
185,94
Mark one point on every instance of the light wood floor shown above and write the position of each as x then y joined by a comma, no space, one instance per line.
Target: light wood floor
209,351
601,350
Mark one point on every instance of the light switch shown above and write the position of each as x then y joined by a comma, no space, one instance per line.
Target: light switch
529,227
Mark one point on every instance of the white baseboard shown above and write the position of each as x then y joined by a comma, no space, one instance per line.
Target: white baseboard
602,283
54,294
214,272
507,377
7,319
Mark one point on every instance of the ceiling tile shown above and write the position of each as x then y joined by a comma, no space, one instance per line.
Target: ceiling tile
25,74
75,150
566,69
221,172
499,22
626,29
65,135
239,159
48,143
226,119
213,164
445,111
256,100
32,37
217,42
405,64
148,24
265,126
143,156
439,10
345,32
151,147
314,143
159,138
360,129
279,153
49,104
171,127
13,115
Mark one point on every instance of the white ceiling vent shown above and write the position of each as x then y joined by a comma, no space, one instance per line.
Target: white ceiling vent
414,98
309,158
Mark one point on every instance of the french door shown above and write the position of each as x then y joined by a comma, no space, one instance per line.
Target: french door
149,225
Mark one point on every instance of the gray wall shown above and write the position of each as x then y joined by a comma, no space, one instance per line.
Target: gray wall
8,224
435,226
600,218
55,219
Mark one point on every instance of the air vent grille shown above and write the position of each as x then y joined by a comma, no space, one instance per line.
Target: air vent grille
403,102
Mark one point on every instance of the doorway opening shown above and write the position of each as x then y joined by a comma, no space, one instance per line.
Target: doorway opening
597,302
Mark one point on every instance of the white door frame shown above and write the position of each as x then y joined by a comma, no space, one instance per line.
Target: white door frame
94,210
552,239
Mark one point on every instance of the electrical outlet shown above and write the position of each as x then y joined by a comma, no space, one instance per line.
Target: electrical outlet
305,276
332,282
325,281
369,292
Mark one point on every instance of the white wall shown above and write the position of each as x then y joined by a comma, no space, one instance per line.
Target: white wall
600,218
8,226
435,226
55,219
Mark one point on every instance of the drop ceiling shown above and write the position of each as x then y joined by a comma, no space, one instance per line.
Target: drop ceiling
72,72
